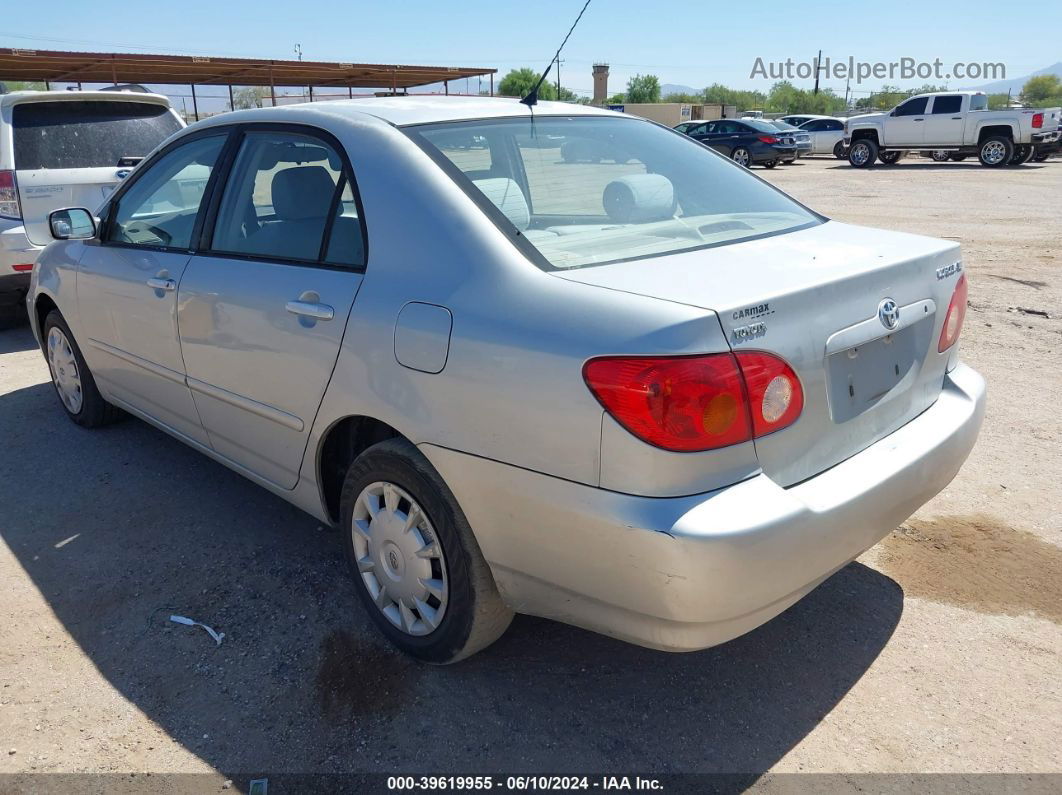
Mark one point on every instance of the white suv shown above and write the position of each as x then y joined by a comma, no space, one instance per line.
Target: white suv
63,149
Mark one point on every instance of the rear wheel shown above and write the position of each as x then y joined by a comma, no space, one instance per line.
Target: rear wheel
889,158
72,378
957,158
416,563
741,156
862,153
839,150
995,151
1041,157
940,156
771,164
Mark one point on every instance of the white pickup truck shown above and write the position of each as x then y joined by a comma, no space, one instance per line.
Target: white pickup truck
957,122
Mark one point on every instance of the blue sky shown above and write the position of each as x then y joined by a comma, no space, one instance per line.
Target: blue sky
681,42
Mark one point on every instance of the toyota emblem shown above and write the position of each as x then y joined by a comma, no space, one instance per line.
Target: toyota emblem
889,313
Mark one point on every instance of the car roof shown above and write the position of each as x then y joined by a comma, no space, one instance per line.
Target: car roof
19,97
406,110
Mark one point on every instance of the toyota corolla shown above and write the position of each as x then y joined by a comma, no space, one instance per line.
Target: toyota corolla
643,392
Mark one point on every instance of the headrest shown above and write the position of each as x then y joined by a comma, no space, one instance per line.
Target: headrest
506,195
273,154
638,198
302,192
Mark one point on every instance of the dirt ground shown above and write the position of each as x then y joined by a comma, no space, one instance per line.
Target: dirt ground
939,651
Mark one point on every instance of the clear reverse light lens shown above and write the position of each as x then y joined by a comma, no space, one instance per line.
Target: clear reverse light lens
776,398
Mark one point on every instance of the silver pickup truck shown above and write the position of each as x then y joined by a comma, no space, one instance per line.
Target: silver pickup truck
957,122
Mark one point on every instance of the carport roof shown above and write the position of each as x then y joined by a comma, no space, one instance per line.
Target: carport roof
108,67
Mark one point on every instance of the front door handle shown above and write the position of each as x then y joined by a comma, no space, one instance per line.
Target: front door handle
310,309
169,285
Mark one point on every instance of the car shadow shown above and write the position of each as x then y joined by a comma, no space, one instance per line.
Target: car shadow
17,339
929,165
121,527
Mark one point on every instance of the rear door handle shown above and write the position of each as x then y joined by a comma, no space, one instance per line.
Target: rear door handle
310,309
919,119
956,118
169,285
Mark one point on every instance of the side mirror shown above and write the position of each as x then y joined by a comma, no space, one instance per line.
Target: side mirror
73,223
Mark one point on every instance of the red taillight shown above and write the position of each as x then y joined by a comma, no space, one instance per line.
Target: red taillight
693,403
768,139
949,332
23,266
9,207
775,396
1038,120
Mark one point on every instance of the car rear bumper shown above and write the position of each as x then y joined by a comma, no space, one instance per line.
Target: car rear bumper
15,250
686,573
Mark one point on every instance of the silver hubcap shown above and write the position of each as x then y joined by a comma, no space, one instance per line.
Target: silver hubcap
860,153
741,157
399,558
65,374
993,152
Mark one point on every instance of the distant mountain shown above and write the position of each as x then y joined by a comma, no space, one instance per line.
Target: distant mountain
675,88
1014,85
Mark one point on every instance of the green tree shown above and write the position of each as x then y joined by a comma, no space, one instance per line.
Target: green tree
687,99
23,85
643,88
998,101
249,97
616,99
1042,90
519,82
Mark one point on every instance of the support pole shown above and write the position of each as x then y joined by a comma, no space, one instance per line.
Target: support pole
492,84
446,87
272,88
232,102
195,105
311,93
350,92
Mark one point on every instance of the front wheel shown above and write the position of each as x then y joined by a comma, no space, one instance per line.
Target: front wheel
862,153
1022,154
995,151
940,156
742,157
416,563
957,158
840,151
889,158
72,378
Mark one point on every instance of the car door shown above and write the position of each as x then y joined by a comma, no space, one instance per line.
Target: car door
263,307
723,136
906,126
701,132
127,280
944,122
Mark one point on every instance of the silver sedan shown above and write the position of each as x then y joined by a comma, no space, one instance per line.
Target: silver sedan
642,391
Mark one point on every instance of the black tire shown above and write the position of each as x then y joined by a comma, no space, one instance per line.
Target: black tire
840,151
862,153
957,158
742,157
890,158
1022,154
475,614
12,314
995,151
1040,157
94,412
770,164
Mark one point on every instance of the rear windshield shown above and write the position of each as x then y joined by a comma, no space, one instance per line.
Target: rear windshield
591,190
85,134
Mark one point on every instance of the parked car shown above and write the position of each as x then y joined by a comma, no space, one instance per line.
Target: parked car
827,137
747,142
958,122
799,119
660,400
801,139
59,148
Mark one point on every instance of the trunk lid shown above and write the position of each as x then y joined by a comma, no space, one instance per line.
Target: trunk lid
813,298
72,148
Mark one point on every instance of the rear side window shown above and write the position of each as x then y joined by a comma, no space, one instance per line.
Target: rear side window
947,104
978,102
285,194
87,134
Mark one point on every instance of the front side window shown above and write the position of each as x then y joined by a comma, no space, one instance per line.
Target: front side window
832,125
160,208
913,107
287,191
87,133
635,190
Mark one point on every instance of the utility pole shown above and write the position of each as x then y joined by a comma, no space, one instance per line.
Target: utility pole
818,68
846,84
559,62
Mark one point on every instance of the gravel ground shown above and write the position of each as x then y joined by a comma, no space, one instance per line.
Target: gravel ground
939,651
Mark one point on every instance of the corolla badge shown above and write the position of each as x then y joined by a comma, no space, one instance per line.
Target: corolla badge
888,313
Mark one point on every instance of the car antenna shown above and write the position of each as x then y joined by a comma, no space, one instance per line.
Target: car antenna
532,96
